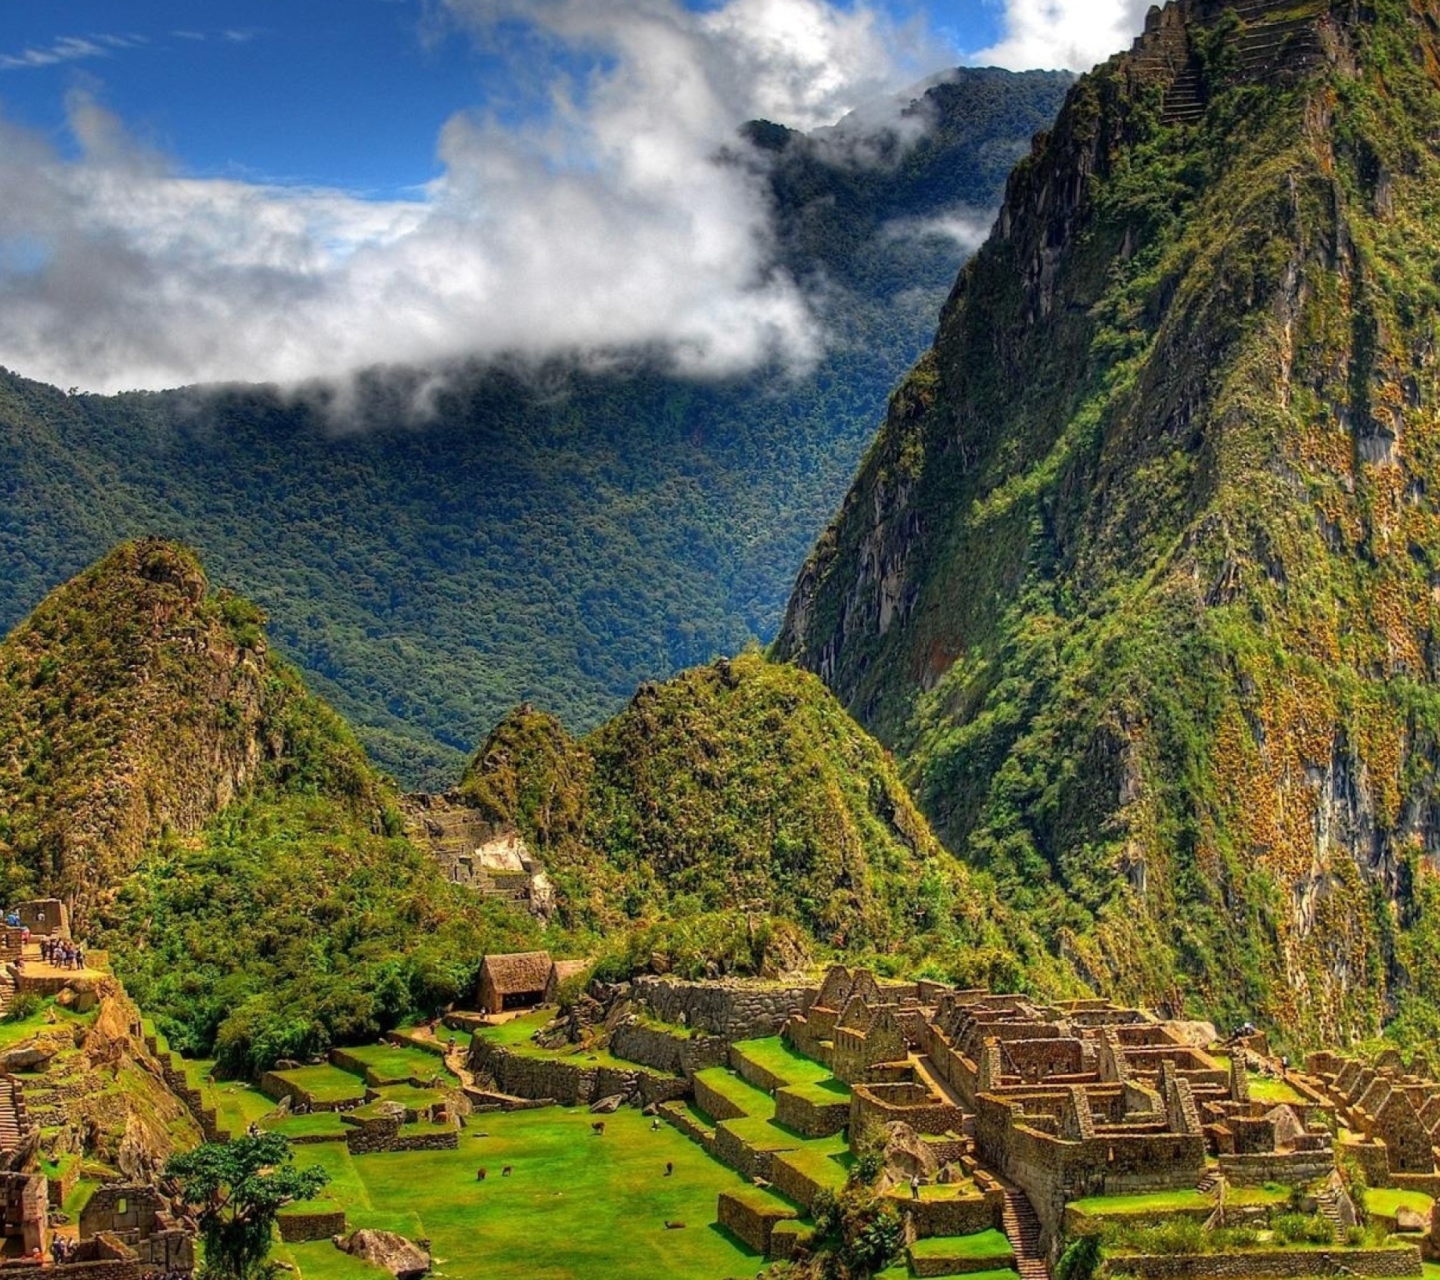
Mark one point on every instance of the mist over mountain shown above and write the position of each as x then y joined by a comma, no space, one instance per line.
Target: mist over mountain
433,545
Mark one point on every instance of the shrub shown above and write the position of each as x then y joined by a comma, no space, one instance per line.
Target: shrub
25,1005
1080,1261
1303,1228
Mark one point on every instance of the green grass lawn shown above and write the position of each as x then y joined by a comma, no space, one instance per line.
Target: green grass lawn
752,1101
517,1031
1154,1202
325,1083
983,1244
396,1062
576,1207
1432,1271
318,1123
12,1033
1386,1200
515,1036
781,1060
1268,1089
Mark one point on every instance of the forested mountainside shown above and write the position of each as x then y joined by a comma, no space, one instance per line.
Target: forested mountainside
223,833
742,790
1140,575
557,534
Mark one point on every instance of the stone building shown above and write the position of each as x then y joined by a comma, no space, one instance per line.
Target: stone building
138,1217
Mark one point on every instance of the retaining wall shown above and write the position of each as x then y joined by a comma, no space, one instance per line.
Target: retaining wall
571,1084
296,1228
1277,1264
734,1009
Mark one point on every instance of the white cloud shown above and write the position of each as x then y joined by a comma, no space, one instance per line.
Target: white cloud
604,222
1064,34
68,49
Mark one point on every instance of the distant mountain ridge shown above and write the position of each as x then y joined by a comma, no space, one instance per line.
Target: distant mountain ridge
1140,577
552,534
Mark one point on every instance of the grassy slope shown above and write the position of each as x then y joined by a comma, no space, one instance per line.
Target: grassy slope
1163,657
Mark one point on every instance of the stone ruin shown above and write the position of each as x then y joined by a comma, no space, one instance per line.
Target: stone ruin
1391,1113
492,860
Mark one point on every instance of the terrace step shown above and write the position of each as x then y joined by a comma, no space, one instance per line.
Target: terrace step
1022,1229
1208,1182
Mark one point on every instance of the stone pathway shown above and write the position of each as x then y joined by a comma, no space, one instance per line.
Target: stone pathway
1022,1229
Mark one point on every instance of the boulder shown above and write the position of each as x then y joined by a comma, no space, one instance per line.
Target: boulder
907,1154
1410,1220
27,1057
607,1106
402,1258
1198,1035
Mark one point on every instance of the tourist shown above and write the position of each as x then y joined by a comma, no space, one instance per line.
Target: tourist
79,957
655,1125
12,918
914,1186
57,1250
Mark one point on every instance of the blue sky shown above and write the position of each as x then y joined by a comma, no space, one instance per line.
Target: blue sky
283,190
342,93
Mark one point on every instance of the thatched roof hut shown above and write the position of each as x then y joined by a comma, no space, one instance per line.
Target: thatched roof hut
561,970
513,981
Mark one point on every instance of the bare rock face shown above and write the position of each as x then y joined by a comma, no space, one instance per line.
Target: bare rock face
907,1154
402,1258
1410,1220
34,1056
1198,1035
607,1106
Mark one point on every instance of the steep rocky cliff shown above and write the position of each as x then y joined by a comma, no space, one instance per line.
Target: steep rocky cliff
1141,575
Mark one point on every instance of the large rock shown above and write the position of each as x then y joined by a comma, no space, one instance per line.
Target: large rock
1410,1220
27,1057
402,1258
1198,1035
607,1106
907,1154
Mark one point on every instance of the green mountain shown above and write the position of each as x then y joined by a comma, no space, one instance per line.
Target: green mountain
217,825
742,790
559,534
1139,578
222,832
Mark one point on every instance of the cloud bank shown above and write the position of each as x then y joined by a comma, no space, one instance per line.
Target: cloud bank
601,220
1060,35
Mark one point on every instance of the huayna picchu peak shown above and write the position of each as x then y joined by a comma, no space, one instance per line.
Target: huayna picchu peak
1139,577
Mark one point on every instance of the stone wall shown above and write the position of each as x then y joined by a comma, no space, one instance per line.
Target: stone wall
961,1216
386,1134
751,1219
715,1104
296,1228
1291,1168
1289,1264
875,1105
731,1149
571,1084
794,1181
732,1008
806,1113
674,1053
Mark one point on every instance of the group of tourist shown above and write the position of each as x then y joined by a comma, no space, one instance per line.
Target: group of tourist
62,954
168,1275
62,1249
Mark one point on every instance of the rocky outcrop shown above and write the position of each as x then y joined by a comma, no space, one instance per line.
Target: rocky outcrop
402,1258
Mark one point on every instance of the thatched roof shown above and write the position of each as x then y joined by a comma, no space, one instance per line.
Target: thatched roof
517,972
564,969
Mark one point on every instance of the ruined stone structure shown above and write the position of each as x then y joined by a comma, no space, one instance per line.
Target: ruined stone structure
494,861
1394,1113
138,1217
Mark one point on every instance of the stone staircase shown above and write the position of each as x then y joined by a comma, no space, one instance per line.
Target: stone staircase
1208,1182
1022,1229
7,988
15,1125
1328,1203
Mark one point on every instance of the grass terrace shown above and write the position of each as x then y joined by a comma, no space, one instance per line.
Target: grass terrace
780,1060
577,1206
1386,1201
325,1084
754,1102
397,1063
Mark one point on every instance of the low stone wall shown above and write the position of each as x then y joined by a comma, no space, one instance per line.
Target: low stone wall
787,1238
681,1118
275,1086
734,1009
296,1228
875,1105
1274,1264
672,1052
386,1136
715,1104
732,1150
814,1119
961,1216
793,1180
1292,1169
404,1040
750,1221
570,1084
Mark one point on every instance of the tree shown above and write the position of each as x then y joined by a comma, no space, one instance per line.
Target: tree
238,1187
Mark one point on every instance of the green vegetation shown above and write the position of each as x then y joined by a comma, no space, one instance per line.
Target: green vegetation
559,534
734,794
1157,534
982,1244
238,1188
